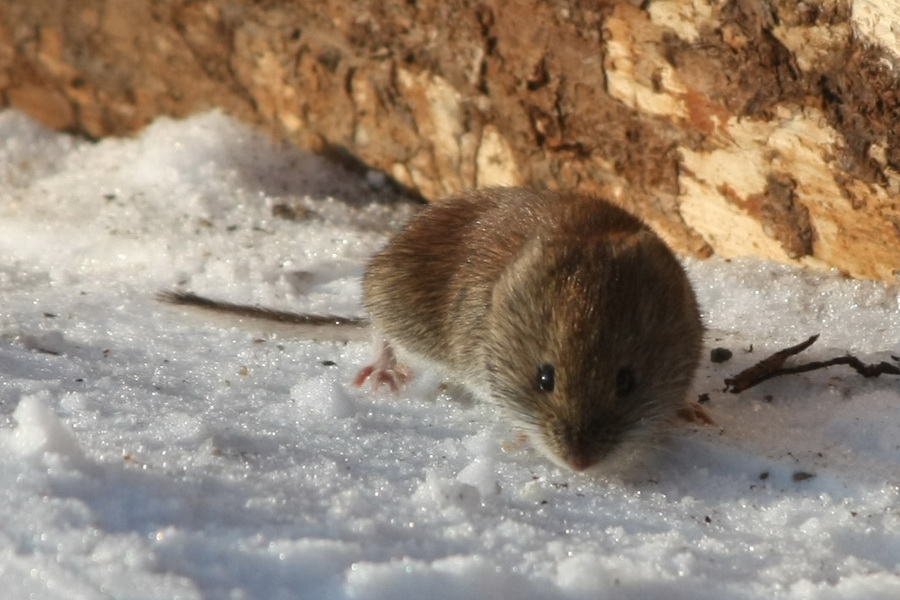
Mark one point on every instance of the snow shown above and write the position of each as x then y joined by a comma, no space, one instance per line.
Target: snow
151,452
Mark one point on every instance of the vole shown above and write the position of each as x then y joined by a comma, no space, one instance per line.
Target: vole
561,308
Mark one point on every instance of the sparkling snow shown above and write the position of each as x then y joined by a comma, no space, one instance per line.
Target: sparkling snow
152,452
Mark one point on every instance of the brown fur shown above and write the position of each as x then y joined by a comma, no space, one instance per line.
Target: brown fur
494,283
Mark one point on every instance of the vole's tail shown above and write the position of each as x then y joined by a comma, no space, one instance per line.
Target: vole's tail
312,326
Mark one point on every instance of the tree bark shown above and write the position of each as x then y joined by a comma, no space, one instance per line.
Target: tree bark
744,127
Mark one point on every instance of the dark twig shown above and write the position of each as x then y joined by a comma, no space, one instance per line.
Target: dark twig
766,368
772,367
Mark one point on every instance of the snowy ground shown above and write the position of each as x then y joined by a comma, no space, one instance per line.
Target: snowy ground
146,452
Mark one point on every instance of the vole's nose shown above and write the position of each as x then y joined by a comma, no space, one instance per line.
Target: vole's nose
579,462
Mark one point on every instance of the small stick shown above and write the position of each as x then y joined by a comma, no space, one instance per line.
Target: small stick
772,367
766,368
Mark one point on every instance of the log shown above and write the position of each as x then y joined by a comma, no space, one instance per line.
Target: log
742,128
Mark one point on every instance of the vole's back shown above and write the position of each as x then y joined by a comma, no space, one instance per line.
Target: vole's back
429,289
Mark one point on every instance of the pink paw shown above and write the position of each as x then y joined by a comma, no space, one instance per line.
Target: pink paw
394,378
694,413
385,371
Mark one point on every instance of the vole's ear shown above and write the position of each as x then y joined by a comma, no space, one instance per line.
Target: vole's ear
515,283
515,316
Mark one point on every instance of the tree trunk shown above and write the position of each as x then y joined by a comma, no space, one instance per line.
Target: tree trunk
743,127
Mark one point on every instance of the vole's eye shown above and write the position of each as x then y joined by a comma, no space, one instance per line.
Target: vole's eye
546,378
625,382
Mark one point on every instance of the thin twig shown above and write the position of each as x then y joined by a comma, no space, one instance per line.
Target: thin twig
772,367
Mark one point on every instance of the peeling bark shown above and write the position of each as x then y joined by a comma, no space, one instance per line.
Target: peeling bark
738,127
